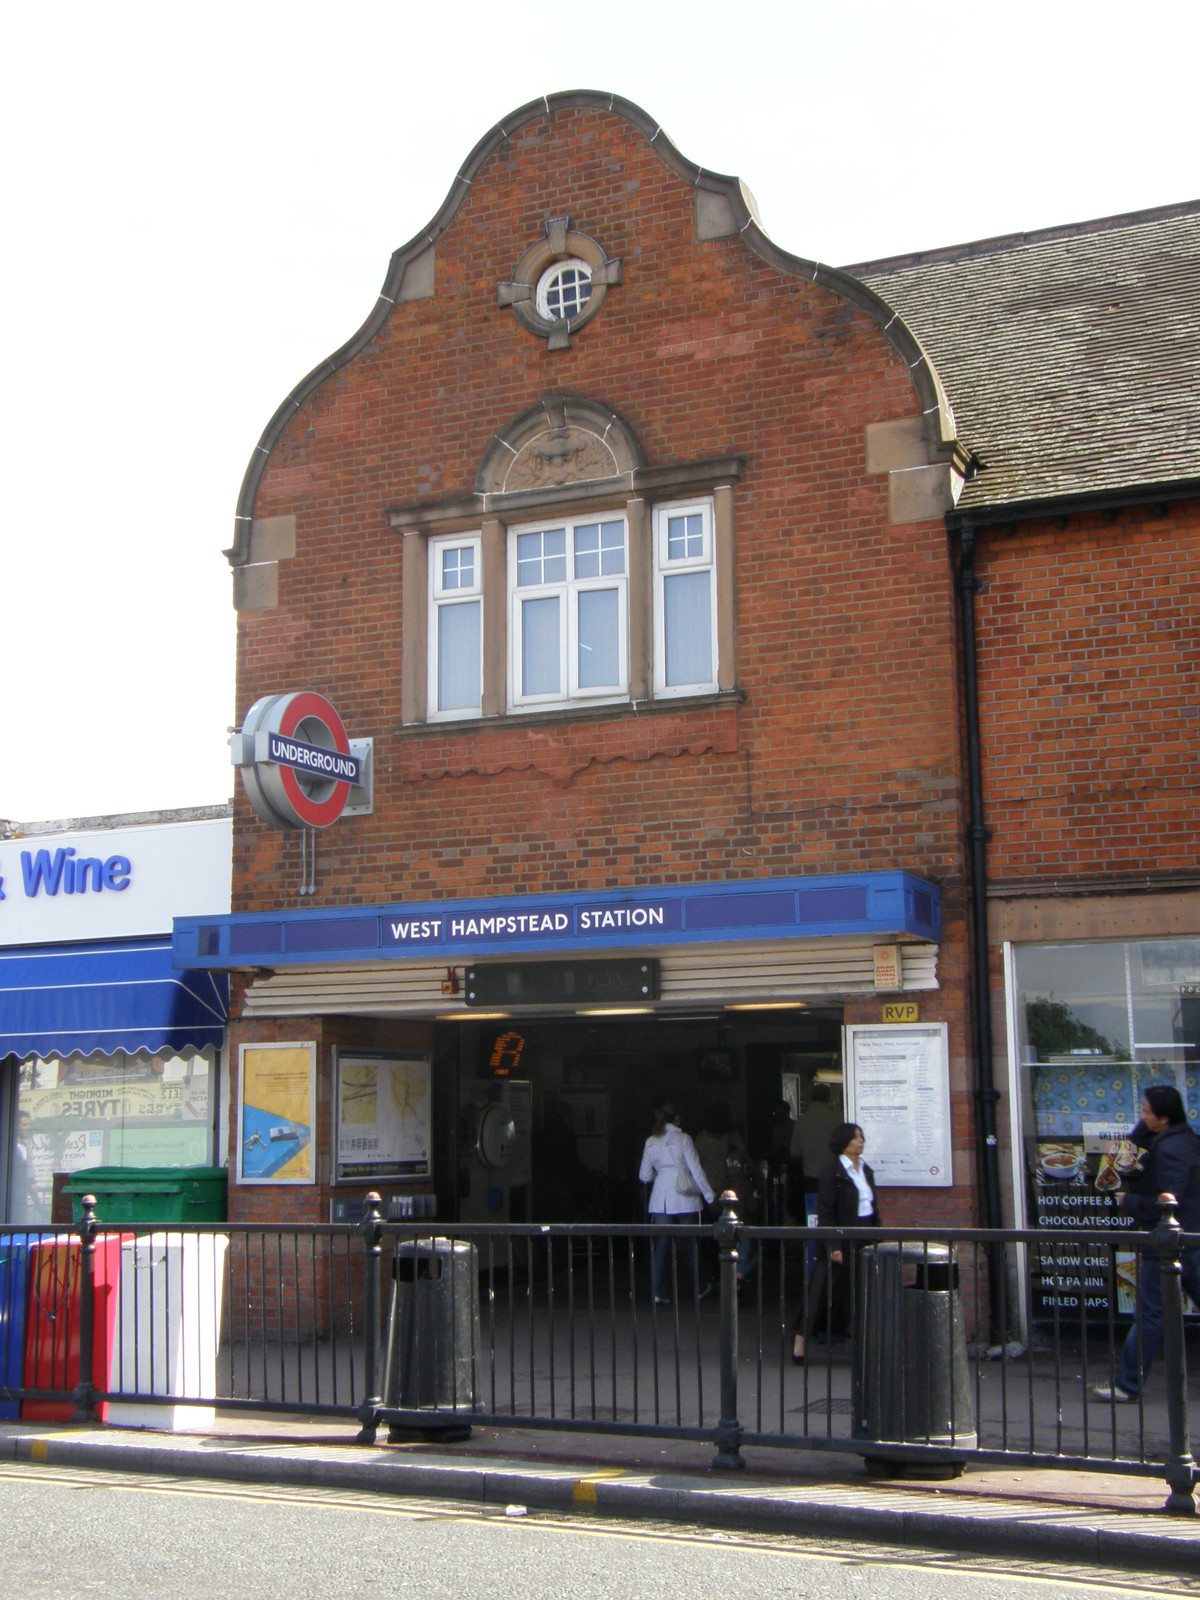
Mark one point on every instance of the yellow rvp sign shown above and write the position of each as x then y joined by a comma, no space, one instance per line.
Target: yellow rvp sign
900,1011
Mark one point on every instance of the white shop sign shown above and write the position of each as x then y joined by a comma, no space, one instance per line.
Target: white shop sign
112,883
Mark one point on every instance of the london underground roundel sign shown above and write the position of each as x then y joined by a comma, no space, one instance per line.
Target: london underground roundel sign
295,759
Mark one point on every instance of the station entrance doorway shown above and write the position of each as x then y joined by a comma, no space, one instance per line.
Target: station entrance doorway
552,1113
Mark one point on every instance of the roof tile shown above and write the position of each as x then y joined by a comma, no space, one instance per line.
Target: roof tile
1071,358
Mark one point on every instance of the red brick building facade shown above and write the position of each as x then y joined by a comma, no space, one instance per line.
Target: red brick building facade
653,560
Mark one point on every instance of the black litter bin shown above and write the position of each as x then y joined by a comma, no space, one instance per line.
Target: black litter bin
911,1381
433,1335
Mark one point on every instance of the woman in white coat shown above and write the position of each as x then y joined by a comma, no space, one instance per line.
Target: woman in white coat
671,1164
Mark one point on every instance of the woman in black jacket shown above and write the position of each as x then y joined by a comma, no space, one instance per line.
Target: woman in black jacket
845,1199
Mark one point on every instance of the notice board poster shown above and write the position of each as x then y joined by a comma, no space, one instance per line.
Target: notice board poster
898,1092
383,1117
278,1092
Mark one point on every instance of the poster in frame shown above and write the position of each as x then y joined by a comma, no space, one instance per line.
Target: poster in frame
382,1125
277,1095
898,1092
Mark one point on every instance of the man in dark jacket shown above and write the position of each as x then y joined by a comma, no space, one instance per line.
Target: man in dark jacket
1171,1166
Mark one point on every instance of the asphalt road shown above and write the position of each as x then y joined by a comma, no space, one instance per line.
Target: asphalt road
71,1535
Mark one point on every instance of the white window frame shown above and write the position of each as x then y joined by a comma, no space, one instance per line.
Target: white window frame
568,590
665,567
550,278
439,598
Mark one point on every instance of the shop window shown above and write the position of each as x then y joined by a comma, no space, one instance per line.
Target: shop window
1092,1026
116,1110
568,628
455,627
685,637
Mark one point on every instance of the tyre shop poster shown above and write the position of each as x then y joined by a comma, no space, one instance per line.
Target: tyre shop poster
276,1113
898,1092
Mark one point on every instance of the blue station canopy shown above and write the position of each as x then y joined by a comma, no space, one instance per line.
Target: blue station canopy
880,905
56,1000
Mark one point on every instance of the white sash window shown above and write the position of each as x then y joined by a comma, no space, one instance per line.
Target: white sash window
568,621
456,632
685,619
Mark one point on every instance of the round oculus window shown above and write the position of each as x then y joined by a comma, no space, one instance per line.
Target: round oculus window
564,289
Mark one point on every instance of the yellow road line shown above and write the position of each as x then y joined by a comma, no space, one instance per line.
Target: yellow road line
774,1543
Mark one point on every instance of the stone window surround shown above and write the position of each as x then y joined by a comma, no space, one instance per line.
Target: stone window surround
560,243
634,493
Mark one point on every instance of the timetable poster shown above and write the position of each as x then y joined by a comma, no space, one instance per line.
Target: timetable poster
898,1091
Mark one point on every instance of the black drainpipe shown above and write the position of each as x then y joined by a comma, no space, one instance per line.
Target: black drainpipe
986,1093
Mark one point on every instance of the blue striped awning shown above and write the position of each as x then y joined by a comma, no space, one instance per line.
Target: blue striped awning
57,1000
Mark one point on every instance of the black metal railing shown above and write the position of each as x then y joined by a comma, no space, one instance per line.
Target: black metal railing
924,1351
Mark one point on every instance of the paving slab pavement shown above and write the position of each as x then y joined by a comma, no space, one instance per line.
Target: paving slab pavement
1098,1518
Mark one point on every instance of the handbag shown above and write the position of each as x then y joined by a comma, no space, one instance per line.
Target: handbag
685,1184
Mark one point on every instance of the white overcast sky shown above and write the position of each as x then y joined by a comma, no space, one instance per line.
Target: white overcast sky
200,203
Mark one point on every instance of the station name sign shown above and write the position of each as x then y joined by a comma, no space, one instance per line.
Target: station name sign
471,928
312,758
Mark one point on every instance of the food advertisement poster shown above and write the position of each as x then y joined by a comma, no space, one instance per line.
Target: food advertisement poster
898,1091
1075,1184
276,1112
383,1117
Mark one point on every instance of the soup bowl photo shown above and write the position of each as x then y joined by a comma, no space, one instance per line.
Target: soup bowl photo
1060,1166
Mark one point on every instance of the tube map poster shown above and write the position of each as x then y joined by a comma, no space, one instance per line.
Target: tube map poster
383,1117
275,1125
